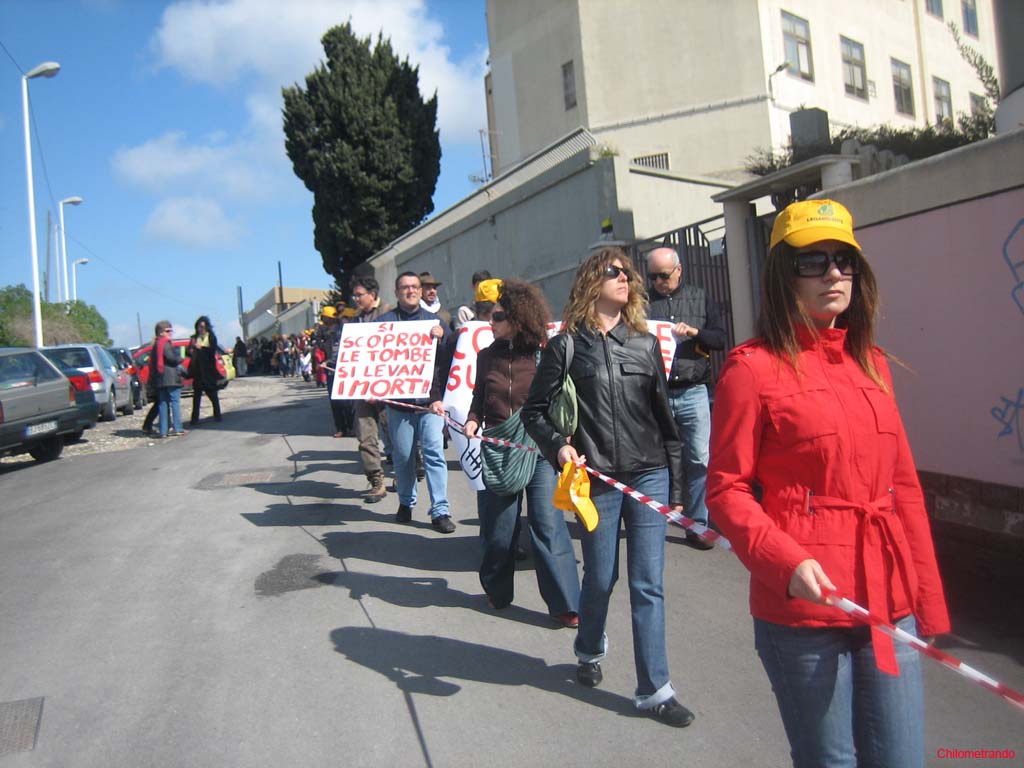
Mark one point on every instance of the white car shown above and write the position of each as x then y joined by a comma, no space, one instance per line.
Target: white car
112,386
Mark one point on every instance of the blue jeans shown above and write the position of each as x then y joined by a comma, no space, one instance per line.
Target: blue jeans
169,396
837,707
407,428
645,560
554,559
693,415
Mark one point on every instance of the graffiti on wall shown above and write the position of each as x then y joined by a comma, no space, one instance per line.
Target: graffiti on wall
1008,412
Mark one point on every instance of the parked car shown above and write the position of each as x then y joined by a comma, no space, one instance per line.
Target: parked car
37,405
111,385
126,363
85,401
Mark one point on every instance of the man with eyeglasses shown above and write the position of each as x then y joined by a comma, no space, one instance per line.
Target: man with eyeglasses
408,427
365,292
697,328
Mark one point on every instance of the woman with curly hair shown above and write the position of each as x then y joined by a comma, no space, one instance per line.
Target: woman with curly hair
504,373
625,429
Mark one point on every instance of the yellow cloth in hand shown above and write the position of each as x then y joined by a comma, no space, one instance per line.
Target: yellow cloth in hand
573,495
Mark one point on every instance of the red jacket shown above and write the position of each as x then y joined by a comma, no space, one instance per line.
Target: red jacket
838,484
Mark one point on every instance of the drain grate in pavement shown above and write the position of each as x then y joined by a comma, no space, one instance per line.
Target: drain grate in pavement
245,477
19,725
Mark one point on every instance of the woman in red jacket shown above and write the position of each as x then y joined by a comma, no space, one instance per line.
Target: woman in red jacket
812,480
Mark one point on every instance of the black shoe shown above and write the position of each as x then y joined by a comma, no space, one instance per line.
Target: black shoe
443,524
588,673
672,713
404,514
697,542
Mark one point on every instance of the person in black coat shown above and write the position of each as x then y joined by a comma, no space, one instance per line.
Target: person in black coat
202,351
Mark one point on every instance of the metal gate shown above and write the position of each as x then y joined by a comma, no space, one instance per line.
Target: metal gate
701,249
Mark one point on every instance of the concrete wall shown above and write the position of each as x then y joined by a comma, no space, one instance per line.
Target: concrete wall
542,229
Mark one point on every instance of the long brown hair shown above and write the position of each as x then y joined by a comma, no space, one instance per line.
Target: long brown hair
782,313
581,310
527,311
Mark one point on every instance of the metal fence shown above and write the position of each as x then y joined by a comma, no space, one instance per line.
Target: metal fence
701,249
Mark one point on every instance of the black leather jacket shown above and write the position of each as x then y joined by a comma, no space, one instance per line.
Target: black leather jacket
625,424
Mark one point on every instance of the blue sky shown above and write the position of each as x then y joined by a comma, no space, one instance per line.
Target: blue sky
165,119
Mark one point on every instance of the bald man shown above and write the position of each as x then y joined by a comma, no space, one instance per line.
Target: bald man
698,329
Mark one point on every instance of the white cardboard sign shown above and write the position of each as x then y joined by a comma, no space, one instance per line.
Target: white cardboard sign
392,361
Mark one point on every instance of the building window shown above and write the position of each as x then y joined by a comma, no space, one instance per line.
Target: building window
796,39
854,72
658,161
934,7
943,101
970,9
979,105
569,85
902,87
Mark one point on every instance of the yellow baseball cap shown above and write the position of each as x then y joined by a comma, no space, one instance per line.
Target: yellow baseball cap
329,311
487,290
810,221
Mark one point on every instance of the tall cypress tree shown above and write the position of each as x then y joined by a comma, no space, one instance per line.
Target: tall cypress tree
365,143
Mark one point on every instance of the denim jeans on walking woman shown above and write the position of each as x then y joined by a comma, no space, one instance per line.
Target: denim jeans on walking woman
169,396
553,555
408,427
693,416
838,708
645,560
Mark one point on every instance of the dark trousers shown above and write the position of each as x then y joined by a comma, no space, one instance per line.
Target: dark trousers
210,390
342,411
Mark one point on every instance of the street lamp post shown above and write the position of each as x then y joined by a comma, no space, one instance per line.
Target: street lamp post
781,68
74,277
46,69
64,240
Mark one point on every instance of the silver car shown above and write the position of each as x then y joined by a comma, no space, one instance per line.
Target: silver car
37,405
110,383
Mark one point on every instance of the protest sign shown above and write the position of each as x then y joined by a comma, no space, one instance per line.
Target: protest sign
385,360
458,395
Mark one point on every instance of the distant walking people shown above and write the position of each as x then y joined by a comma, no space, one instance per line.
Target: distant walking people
202,351
238,357
626,430
698,329
165,371
504,373
813,481
409,427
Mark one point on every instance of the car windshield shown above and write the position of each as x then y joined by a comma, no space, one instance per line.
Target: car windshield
22,370
72,357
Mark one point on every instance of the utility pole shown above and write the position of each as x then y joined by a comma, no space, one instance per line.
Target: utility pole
280,290
138,322
241,313
46,274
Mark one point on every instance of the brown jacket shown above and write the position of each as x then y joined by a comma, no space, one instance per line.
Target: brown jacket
503,377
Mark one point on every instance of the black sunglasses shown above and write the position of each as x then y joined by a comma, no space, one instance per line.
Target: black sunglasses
818,263
663,275
499,316
611,272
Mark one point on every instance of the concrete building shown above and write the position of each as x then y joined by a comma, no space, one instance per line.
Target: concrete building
695,86
283,311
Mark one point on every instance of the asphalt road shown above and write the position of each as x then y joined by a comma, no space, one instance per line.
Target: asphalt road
226,599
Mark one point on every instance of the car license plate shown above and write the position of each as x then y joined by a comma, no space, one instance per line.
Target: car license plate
41,429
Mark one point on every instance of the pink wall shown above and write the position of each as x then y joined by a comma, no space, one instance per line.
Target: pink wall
952,288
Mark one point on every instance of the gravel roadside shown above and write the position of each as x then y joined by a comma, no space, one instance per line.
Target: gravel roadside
126,431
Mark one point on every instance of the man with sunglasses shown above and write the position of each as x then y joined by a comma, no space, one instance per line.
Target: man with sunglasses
697,328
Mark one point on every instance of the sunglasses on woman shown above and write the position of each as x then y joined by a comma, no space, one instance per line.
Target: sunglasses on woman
611,272
499,316
818,263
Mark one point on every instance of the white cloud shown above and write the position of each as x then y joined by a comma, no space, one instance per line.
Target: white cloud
192,222
279,43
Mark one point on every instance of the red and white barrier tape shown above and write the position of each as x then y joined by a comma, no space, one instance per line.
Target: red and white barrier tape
867,617
845,604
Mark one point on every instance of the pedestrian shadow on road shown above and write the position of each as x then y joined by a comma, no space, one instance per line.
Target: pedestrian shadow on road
420,664
426,592
408,550
329,458
310,489
312,514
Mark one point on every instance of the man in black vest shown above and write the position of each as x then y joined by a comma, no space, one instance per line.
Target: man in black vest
697,329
